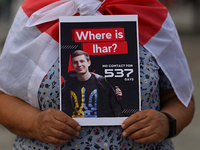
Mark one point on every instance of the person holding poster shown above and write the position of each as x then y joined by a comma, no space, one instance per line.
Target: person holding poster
88,94
29,80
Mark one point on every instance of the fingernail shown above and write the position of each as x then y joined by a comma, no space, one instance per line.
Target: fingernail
78,127
124,134
77,133
123,126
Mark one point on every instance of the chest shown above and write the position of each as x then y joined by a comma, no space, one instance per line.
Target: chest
48,94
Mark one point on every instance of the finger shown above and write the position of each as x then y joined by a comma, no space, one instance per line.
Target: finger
62,135
117,92
46,135
150,138
147,139
136,127
64,128
55,132
60,121
143,132
148,134
133,119
61,116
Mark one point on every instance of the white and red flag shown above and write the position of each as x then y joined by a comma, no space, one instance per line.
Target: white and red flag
32,45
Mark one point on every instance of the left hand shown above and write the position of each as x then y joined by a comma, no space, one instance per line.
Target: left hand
146,126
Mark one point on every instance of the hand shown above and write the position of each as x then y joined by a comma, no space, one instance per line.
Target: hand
118,91
146,126
54,126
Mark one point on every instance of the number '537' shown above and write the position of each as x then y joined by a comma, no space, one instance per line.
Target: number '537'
118,73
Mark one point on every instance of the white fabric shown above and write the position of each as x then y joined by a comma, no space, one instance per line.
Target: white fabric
166,48
28,53
26,58
48,56
64,8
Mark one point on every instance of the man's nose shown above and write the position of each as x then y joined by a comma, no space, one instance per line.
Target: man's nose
79,63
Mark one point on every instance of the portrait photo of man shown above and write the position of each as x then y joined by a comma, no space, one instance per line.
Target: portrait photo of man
87,94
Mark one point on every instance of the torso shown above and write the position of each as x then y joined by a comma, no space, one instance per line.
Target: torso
151,80
84,97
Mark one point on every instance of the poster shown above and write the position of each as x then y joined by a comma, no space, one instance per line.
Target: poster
99,68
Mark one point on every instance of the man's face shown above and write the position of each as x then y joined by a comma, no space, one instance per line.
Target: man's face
80,64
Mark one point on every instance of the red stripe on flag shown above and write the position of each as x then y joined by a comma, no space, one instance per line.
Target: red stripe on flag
31,6
151,15
51,28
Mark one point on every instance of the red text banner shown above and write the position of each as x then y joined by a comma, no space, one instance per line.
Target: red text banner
98,34
105,48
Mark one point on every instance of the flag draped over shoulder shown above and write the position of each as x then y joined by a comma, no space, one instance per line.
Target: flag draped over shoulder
32,45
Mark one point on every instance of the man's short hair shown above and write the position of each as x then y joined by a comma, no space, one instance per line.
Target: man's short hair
80,52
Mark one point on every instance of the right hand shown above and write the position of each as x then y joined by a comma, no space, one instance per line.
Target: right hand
54,126
118,91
